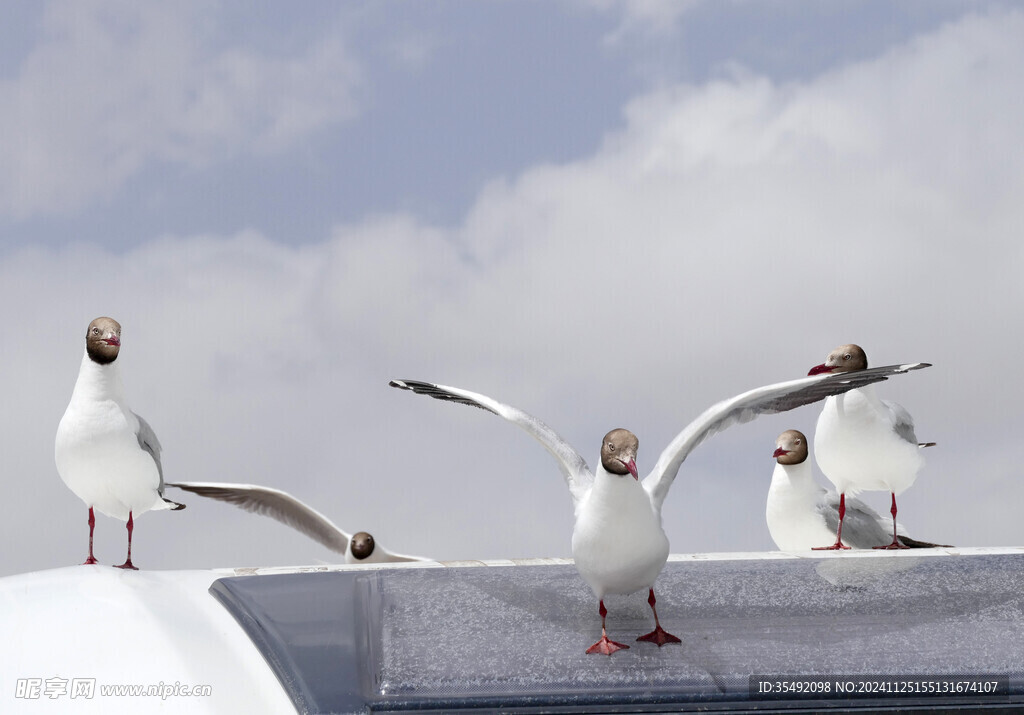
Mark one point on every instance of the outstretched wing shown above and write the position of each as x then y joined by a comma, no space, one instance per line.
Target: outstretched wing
276,504
770,399
573,467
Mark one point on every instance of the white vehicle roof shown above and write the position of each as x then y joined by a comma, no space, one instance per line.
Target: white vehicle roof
509,634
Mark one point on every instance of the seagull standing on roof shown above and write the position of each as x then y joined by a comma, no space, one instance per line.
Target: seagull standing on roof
864,443
800,514
106,454
618,542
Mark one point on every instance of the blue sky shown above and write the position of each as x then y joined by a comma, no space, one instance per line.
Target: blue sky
436,100
606,213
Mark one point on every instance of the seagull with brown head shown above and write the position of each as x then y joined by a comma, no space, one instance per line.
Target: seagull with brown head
108,455
618,543
358,548
863,443
801,515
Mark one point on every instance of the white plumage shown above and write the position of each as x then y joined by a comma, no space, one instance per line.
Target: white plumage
862,442
105,453
618,542
360,548
802,516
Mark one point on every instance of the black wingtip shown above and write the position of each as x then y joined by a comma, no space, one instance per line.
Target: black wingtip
400,384
915,544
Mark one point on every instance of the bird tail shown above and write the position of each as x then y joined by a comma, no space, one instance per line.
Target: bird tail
922,445
168,504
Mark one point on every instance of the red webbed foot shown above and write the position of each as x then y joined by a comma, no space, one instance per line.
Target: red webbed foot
834,547
894,545
660,636
606,646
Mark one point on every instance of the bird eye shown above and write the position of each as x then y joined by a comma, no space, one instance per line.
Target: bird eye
847,356
611,447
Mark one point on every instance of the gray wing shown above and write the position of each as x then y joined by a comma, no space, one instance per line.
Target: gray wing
902,422
276,504
149,443
862,526
770,399
573,467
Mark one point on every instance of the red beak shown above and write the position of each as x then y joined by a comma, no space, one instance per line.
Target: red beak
631,466
818,369
113,340
779,452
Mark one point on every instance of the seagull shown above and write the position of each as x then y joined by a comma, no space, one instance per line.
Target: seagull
618,542
108,455
864,443
359,548
801,514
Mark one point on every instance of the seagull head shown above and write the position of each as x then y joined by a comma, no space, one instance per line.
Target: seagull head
361,545
618,452
103,340
790,447
845,358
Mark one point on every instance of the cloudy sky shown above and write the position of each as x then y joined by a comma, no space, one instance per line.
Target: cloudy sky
605,213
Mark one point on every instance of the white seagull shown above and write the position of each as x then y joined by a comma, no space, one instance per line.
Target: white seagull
359,548
106,454
864,443
618,542
800,514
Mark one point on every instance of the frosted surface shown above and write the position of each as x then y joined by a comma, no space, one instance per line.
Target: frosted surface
518,634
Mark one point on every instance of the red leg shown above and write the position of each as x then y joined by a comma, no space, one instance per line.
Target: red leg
895,542
839,533
92,526
128,562
659,635
605,646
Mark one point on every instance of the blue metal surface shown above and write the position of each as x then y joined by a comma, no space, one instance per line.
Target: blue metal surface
514,637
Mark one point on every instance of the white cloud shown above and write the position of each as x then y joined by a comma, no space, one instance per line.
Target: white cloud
115,86
729,236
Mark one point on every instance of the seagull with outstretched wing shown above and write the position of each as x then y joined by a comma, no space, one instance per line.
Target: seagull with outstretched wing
618,542
359,548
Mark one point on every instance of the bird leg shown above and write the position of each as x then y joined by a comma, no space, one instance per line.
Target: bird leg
605,646
839,534
659,635
895,542
92,526
128,562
